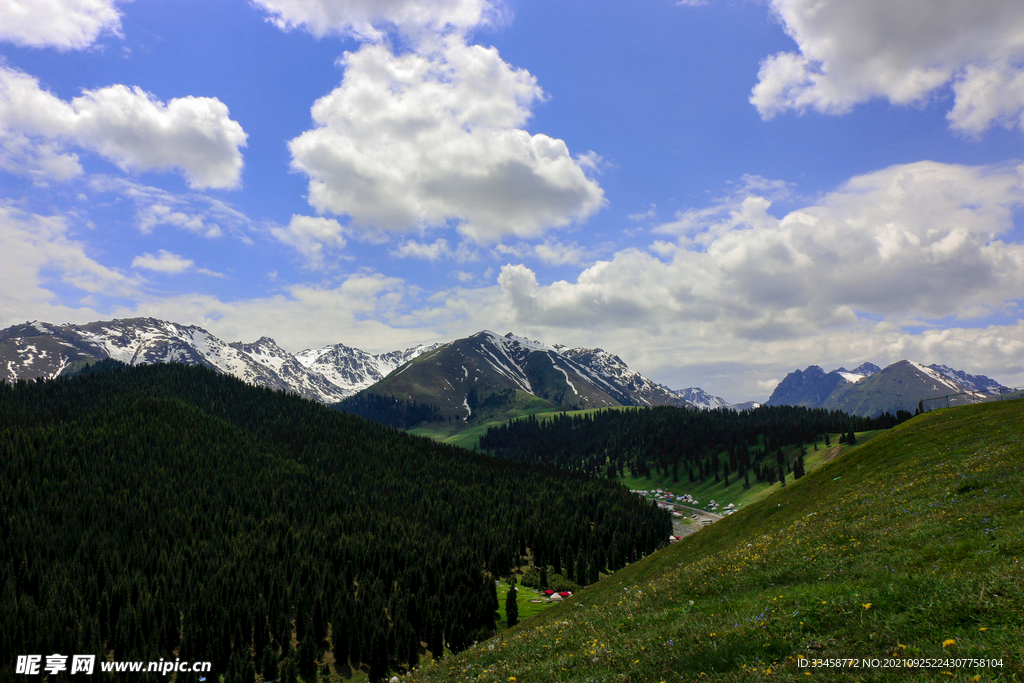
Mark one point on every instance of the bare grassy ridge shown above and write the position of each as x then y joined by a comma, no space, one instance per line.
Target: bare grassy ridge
910,546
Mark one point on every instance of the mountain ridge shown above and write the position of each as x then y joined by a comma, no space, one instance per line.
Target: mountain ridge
332,373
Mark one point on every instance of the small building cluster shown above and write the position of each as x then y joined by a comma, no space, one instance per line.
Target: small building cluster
557,597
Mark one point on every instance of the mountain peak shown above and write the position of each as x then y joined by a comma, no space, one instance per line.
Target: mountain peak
869,390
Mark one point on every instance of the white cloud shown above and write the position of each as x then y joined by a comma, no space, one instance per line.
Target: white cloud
31,244
421,250
310,235
900,50
125,125
41,160
365,18
557,254
196,213
549,252
415,141
63,24
747,203
651,213
163,262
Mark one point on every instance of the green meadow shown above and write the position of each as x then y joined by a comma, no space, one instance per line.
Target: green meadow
905,550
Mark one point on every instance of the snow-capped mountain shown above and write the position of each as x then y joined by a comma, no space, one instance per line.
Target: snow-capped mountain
327,375
489,372
869,390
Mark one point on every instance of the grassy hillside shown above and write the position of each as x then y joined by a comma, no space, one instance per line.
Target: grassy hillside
908,546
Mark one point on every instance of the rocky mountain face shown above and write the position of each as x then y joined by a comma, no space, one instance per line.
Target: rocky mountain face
461,374
490,372
326,375
870,390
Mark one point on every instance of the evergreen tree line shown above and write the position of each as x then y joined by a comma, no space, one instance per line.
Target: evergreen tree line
683,442
390,411
168,511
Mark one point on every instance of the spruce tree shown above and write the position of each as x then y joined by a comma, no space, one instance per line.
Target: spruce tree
511,608
307,658
268,667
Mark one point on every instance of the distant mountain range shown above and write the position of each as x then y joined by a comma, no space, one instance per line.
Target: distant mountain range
327,375
460,374
870,390
461,377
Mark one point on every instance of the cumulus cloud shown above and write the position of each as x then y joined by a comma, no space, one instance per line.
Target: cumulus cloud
125,125
63,24
415,141
311,236
366,19
900,50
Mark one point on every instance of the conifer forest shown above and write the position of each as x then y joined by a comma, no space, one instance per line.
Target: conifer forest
168,511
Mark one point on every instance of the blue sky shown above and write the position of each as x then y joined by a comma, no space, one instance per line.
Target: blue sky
718,192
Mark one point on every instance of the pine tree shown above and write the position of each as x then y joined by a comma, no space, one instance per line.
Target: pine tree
851,438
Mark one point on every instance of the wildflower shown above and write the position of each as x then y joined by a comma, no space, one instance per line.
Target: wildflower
867,605
948,642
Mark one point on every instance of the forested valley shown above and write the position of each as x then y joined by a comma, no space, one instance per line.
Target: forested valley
689,443
168,511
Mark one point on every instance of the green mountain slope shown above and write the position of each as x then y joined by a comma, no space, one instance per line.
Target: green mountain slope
910,546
